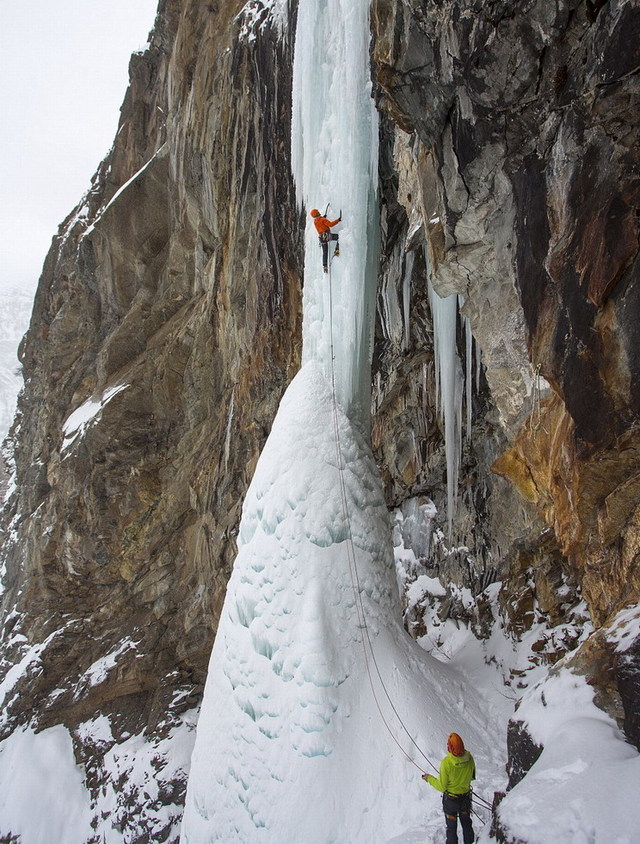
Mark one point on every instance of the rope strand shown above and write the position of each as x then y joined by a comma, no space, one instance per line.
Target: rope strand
353,568
355,581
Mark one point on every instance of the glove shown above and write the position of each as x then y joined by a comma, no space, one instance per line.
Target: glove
339,219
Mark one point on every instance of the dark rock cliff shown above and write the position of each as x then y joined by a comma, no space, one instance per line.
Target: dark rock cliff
167,325
514,159
167,320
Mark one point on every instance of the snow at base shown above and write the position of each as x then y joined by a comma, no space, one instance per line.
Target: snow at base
42,793
290,743
584,786
44,797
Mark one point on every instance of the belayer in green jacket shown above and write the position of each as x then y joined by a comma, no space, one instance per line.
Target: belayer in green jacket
457,769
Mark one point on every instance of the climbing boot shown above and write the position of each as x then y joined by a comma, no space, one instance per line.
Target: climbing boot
337,252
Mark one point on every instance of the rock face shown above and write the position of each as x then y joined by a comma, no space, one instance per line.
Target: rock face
515,162
512,112
165,329
167,325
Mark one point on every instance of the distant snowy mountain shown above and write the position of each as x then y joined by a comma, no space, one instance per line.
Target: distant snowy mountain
15,311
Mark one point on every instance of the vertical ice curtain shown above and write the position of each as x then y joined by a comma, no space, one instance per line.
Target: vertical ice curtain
335,160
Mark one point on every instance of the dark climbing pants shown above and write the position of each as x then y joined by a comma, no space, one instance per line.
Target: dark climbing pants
324,242
454,808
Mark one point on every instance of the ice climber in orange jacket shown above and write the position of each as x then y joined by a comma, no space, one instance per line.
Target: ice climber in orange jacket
323,227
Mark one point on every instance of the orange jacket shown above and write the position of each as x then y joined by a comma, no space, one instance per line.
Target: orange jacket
323,225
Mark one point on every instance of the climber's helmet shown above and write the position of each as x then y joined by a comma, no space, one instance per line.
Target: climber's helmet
455,745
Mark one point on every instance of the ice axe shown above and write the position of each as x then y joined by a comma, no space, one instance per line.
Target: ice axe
326,210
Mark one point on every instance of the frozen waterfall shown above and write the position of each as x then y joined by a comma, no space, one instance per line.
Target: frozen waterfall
298,740
335,162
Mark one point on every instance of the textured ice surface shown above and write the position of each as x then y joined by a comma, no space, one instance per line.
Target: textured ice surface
290,743
335,160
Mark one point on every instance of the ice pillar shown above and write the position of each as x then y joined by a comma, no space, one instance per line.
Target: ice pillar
335,162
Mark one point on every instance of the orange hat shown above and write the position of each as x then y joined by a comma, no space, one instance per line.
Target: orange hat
315,213
455,745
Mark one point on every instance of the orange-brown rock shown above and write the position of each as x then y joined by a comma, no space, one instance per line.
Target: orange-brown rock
590,499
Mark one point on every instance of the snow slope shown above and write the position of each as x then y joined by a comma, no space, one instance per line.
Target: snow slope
291,745
44,797
39,770
584,786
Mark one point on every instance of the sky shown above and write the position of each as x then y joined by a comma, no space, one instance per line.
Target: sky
63,76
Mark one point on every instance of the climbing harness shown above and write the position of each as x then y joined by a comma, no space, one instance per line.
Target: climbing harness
325,240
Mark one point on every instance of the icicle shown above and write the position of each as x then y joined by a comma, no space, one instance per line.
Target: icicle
406,296
468,368
449,380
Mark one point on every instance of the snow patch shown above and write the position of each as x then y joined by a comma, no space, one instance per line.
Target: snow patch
258,14
123,188
42,792
86,415
30,662
99,671
583,787
625,629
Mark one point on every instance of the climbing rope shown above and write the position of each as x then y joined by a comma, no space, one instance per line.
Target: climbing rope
369,655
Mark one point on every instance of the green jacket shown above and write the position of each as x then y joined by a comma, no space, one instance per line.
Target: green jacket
456,773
